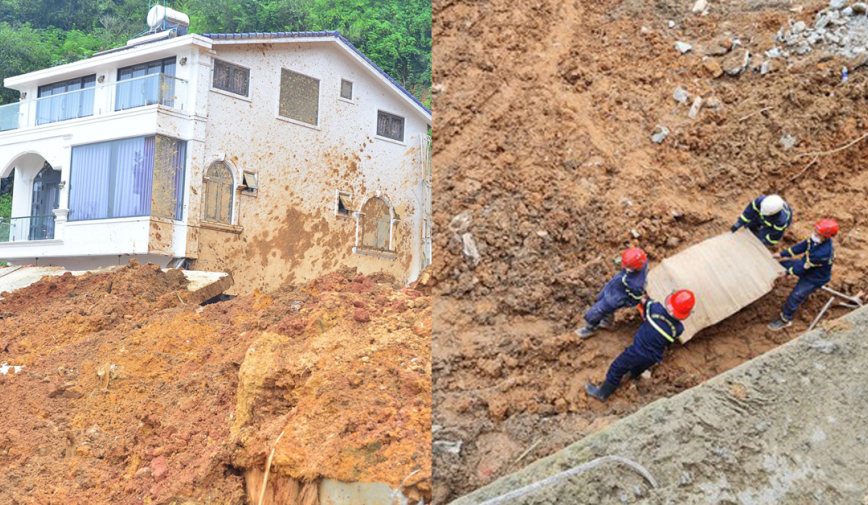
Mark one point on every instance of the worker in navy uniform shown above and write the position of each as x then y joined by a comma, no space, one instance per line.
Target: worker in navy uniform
625,289
813,268
661,326
768,217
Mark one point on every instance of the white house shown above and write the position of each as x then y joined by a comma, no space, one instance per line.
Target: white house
272,156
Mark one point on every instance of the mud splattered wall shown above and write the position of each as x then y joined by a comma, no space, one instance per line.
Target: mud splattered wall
288,230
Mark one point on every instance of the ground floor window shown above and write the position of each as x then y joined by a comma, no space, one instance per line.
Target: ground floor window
219,192
375,228
129,177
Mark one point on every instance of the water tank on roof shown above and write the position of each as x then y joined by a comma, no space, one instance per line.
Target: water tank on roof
173,19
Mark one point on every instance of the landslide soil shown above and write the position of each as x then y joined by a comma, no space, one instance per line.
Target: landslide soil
127,395
544,115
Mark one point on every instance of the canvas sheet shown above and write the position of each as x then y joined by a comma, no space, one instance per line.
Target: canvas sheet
726,273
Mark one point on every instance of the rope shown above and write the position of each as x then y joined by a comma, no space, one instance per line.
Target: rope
536,486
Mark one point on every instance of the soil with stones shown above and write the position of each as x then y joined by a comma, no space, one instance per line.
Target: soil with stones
782,428
547,170
129,396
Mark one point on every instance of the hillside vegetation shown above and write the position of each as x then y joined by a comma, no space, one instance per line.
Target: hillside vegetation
395,34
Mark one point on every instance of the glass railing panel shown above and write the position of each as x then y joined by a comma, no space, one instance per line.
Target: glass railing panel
19,229
65,106
10,115
153,89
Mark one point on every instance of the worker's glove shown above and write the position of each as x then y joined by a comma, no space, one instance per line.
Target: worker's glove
735,227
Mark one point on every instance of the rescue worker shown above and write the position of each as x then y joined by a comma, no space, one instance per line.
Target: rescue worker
623,290
768,217
814,269
660,327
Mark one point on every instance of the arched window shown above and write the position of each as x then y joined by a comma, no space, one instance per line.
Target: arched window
219,191
375,227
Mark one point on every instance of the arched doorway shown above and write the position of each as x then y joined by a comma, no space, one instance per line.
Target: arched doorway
46,198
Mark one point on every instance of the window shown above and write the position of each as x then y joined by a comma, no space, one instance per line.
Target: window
346,89
374,229
299,97
344,205
251,184
141,85
119,178
390,126
219,191
231,78
65,100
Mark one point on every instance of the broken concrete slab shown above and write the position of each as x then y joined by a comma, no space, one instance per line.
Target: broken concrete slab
726,273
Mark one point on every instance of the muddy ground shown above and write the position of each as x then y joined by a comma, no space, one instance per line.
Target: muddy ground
542,143
128,395
781,429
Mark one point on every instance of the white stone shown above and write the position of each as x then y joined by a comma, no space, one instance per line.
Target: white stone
683,47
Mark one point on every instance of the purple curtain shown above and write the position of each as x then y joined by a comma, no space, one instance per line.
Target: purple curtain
133,177
112,179
89,182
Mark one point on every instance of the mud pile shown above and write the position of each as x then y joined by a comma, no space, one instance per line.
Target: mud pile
543,142
779,429
129,395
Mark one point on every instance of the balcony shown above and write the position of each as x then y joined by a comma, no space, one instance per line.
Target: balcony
155,89
19,229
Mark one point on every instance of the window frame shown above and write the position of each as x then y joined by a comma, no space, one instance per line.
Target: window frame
394,219
80,81
338,197
351,99
245,189
319,109
233,203
147,64
181,204
391,116
231,67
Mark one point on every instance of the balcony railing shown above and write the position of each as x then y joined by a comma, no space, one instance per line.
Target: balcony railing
9,116
150,90
19,229
153,89
69,105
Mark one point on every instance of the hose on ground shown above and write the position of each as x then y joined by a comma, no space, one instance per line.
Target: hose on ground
584,467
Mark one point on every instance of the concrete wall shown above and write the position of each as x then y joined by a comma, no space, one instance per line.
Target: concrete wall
787,427
290,230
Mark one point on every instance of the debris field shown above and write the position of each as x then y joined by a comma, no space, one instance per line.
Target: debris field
568,131
127,394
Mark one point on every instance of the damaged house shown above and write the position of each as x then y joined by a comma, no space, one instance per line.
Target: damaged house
272,156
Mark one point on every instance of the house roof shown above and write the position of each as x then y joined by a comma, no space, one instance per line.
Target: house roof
299,35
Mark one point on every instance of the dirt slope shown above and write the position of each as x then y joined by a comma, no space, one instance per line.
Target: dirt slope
545,112
127,395
781,429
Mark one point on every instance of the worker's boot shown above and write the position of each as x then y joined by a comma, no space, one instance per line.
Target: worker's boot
586,331
607,323
779,324
601,392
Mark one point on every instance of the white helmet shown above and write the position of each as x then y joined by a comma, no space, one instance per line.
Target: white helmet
771,204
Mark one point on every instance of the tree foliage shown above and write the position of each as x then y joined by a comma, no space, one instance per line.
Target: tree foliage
36,34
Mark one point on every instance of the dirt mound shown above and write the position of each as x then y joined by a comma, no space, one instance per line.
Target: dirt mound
129,395
545,112
779,429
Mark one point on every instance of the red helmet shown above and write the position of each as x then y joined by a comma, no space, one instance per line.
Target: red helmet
634,259
680,303
826,228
